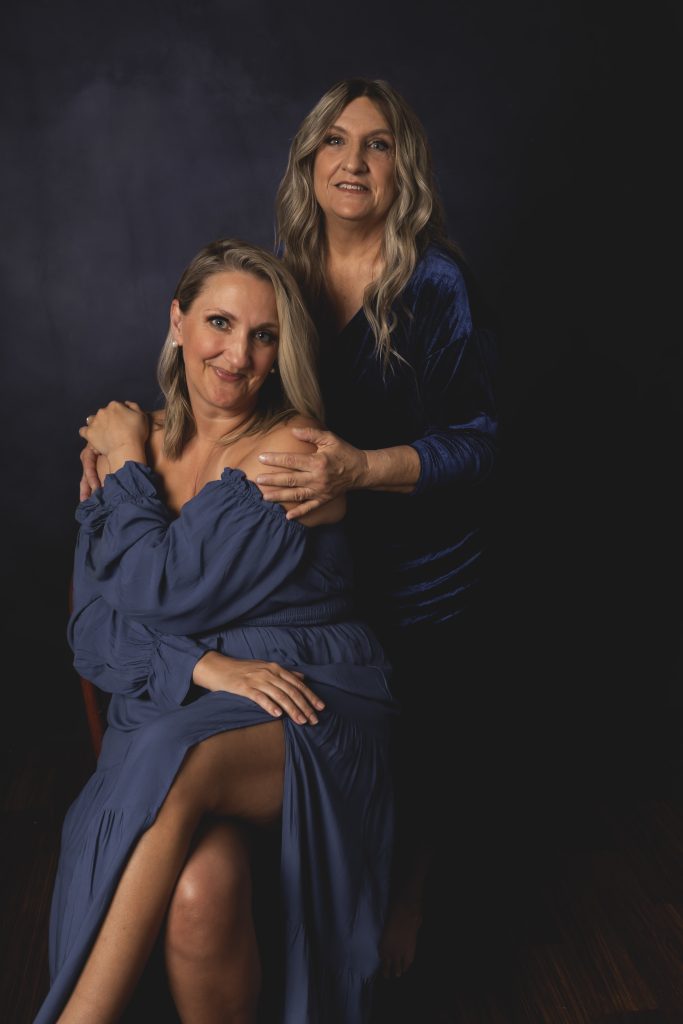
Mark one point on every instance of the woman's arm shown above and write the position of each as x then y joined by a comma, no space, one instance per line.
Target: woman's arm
125,657
312,481
458,444
215,563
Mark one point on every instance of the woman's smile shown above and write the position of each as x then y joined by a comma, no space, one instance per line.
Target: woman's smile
229,340
226,374
353,172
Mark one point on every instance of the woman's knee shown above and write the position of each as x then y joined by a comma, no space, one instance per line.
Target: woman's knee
211,903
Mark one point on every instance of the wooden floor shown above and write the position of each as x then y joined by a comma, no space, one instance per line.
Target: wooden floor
570,912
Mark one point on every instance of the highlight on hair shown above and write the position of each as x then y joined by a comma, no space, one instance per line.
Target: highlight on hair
293,389
414,220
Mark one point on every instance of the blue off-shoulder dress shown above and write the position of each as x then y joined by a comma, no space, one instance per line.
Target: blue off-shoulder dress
152,592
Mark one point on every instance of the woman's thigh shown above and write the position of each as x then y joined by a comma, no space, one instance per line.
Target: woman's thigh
236,774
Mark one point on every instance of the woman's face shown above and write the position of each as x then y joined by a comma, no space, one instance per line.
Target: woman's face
353,172
229,338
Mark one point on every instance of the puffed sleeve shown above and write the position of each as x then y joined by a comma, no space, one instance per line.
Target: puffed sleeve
455,377
215,563
126,657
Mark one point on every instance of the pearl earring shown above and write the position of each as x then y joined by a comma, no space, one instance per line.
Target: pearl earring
174,344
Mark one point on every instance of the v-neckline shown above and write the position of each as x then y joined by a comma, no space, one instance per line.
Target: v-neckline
349,322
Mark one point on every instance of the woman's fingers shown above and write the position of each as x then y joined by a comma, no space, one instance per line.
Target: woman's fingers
288,460
90,480
288,691
298,478
296,679
300,510
272,687
287,488
265,702
278,698
287,494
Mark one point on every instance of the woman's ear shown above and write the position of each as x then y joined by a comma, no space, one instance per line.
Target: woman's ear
177,322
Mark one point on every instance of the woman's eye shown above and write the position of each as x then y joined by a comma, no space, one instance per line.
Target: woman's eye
379,144
265,337
332,140
218,321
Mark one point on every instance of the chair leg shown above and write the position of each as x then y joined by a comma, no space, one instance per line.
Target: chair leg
92,714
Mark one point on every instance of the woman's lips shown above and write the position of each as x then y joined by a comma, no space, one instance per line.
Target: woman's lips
351,186
224,375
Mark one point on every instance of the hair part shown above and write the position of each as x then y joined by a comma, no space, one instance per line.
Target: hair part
414,221
293,389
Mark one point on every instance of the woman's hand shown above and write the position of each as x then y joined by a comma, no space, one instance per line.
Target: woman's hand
313,480
119,432
272,687
90,480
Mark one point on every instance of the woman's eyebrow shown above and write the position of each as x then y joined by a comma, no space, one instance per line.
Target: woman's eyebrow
374,131
221,312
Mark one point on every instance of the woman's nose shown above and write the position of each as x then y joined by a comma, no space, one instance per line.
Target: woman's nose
354,160
238,350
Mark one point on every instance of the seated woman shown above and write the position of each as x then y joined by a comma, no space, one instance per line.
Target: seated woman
180,561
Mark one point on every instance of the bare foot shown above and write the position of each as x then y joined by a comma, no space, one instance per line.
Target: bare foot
399,938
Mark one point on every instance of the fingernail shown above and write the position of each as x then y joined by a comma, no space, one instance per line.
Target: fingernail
319,704
260,480
313,720
262,458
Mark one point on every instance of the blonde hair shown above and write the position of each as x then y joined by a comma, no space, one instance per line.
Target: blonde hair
293,389
414,220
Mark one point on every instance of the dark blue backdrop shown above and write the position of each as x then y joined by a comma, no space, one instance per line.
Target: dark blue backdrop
135,133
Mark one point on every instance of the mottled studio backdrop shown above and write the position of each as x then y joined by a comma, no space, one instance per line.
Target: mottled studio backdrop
133,133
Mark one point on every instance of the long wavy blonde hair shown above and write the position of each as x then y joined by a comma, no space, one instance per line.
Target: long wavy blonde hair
292,389
414,220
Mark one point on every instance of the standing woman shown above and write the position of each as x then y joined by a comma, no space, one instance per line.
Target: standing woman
406,374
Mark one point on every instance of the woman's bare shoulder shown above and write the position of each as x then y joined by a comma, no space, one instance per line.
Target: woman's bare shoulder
281,439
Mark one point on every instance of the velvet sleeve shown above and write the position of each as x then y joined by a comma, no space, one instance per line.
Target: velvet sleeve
455,377
213,564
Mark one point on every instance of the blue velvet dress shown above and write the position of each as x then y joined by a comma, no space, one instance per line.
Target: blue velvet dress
418,556
230,573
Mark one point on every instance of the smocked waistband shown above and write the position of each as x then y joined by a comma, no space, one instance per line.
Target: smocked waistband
321,613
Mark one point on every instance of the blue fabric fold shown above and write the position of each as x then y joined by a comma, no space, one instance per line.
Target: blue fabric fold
150,565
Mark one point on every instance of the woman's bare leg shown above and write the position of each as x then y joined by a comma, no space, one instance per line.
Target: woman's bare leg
212,956
398,941
233,774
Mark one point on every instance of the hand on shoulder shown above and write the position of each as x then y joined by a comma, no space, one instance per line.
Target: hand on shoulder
298,460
